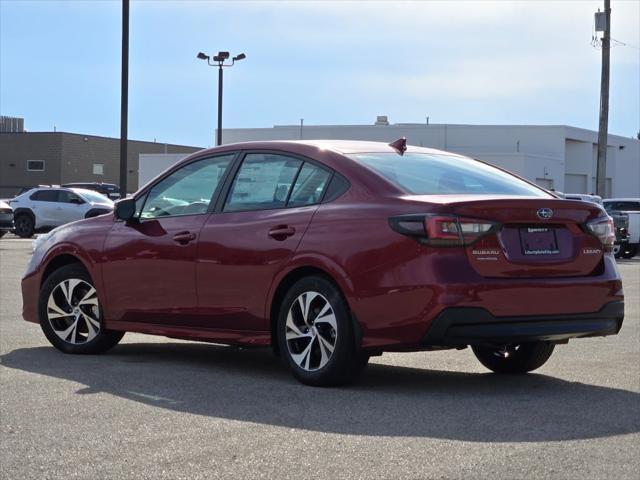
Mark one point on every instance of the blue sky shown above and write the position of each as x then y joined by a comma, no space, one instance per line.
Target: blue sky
329,62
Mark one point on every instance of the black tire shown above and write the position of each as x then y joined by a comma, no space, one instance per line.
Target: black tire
513,359
629,251
103,339
23,225
346,361
617,251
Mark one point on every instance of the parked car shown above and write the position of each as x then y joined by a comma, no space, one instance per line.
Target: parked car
621,225
583,197
44,208
332,252
6,218
109,190
630,207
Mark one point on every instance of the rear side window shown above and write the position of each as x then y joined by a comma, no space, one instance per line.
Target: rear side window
263,182
432,174
309,186
45,196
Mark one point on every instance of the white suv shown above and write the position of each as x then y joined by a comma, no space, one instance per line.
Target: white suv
41,208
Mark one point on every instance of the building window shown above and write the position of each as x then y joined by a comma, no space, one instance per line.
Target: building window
35,165
98,168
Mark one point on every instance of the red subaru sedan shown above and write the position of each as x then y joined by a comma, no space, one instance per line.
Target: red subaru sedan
332,252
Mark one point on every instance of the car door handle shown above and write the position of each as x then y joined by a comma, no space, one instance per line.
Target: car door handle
281,232
184,237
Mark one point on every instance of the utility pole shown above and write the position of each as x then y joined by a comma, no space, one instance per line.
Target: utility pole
603,128
124,98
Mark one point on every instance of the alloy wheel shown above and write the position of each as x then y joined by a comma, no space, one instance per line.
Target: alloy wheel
311,331
73,311
506,351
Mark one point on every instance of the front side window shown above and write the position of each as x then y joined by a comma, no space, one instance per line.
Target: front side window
69,197
434,174
263,182
188,190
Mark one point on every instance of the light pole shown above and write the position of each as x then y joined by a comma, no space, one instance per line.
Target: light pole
124,98
218,60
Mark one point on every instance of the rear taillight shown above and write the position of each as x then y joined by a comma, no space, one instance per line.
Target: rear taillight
604,229
442,230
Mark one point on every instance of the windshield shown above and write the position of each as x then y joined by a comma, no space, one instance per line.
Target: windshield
435,174
622,205
91,196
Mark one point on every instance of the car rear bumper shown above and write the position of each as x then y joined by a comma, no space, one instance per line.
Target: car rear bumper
459,326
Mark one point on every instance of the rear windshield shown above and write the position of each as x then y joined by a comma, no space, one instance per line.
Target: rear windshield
433,174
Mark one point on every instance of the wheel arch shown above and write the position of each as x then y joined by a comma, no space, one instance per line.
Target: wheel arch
24,211
61,260
287,281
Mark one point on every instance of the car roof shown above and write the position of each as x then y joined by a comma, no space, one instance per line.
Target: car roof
338,146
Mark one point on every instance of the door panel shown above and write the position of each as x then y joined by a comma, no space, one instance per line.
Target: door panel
149,269
238,259
149,275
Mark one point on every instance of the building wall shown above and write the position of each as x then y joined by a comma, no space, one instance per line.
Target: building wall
16,149
81,152
153,164
70,157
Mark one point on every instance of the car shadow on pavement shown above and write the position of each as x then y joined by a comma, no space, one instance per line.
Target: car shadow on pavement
253,386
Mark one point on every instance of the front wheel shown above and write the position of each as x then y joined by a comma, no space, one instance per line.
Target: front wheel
511,359
70,313
315,334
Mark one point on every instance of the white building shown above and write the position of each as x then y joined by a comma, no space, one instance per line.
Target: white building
555,156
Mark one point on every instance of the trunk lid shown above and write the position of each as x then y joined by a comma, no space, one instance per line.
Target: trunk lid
534,237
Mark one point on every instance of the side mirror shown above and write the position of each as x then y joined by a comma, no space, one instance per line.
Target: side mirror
125,209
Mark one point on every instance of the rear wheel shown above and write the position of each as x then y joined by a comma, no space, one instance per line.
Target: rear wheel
23,226
70,313
521,358
629,251
315,334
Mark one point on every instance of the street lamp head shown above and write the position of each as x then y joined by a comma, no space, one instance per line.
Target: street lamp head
203,56
223,55
241,56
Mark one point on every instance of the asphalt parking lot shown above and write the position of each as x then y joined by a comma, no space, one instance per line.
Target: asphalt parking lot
160,408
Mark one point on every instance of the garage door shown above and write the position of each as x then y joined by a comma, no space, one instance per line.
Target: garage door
575,183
